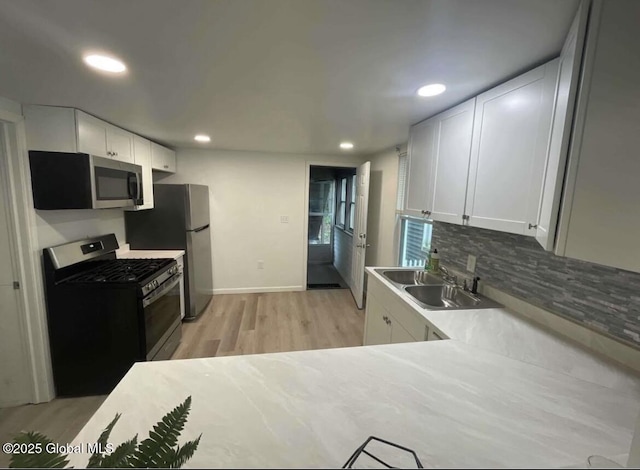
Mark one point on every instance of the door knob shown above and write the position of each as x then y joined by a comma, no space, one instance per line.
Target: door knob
363,245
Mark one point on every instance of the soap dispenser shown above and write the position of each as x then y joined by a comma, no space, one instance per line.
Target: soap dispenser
434,261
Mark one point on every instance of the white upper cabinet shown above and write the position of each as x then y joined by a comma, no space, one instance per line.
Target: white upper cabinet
162,158
142,157
600,214
100,138
57,129
92,135
421,151
562,118
508,153
448,183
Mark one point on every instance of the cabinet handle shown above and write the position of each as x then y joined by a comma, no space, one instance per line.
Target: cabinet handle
166,166
531,226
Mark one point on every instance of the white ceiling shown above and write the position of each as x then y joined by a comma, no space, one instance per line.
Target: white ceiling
272,75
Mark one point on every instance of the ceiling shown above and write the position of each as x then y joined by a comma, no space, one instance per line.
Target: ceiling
293,76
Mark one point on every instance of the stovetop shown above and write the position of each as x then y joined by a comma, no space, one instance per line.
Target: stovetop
120,271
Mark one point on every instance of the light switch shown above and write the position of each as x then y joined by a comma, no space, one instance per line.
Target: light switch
471,264
284,219
260,264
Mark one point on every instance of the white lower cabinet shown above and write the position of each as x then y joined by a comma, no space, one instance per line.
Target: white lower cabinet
399,334
377,329
389,320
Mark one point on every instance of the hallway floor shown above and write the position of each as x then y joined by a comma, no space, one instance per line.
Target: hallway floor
324,276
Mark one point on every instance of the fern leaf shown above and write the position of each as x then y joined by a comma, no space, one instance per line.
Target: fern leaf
42,459
119,458
96,457
184,453
157,449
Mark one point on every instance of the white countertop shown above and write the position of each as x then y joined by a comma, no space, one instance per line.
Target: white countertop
454,404
502,331
125,252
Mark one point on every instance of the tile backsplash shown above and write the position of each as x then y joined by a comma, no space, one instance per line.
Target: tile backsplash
603,298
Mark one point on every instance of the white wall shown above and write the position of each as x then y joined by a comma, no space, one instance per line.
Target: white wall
381,224
250,191
58,227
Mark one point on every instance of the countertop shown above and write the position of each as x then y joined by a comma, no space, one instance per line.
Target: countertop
456,405
125,252
503,331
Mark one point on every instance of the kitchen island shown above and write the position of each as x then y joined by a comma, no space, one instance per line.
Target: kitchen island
456,405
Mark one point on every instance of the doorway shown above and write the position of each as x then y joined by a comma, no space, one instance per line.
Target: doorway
15,382
330,228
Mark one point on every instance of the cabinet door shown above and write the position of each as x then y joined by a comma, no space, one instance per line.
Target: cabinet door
120,144
600,215
92,135
142,157
422,140
377,329
511,132
564,104
399,334
162,158
451,164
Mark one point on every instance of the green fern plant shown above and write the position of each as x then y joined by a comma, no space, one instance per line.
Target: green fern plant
159,450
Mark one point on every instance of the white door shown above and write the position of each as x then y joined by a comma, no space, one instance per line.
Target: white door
15,384
567,87
360,233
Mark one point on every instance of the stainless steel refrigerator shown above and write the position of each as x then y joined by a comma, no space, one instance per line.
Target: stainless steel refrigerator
179,221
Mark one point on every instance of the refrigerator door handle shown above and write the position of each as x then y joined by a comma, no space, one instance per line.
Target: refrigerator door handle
200,229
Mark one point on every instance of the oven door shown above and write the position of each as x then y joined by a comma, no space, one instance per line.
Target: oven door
162,317
114,183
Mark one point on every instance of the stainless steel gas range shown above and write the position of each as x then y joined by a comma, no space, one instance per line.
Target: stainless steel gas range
104,314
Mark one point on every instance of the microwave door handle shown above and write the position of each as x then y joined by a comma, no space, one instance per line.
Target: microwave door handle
139,194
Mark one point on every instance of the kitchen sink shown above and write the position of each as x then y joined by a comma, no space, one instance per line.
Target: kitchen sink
448,296
407,277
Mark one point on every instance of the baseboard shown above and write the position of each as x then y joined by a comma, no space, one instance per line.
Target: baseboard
258,290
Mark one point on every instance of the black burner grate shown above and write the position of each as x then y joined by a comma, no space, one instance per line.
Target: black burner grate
120,270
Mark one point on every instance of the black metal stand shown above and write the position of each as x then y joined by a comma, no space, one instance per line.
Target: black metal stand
362,450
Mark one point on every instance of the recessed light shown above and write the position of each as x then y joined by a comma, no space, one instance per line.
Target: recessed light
202,138
105,63
432,90
346,145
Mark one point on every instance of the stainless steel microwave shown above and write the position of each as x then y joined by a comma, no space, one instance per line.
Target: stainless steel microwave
61,180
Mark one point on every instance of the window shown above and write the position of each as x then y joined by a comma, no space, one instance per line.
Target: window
346,203
320,212
415,241
342,204
352,203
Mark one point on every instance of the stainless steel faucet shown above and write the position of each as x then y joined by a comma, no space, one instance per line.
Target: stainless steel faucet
448,277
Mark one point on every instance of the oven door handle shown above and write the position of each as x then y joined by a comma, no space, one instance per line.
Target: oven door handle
160,291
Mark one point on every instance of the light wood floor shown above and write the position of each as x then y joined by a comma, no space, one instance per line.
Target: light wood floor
274,322
60,420
232,325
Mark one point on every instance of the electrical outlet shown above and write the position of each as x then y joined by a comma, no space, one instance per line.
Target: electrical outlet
284,219
260,264
471,264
